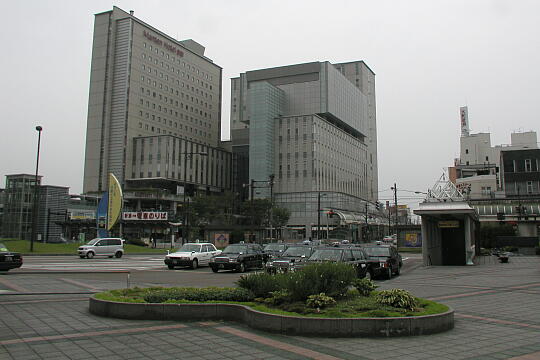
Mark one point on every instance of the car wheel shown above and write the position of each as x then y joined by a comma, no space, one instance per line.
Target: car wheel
242,267
195,264
215,269
89,255
368,275
110,257
389,273
398,270
171,267
118,254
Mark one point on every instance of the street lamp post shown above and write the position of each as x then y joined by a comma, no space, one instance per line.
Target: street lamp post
396,209
36,192
186,213
318,213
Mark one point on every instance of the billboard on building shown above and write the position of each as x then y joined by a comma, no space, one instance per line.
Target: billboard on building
464,119
115,201
145,215
413,240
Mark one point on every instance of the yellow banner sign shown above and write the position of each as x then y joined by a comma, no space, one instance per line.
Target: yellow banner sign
448,224
115,201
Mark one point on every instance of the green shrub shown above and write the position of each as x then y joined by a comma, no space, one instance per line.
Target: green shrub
278,297
199,294
262,284
397,298
137,242
364,286
319,301
333,279
330,278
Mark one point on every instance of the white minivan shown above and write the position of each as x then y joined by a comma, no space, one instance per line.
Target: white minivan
102,247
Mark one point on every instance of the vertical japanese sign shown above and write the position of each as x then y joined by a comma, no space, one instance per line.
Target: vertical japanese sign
101,216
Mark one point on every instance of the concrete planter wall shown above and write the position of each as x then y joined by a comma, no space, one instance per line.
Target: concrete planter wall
291,325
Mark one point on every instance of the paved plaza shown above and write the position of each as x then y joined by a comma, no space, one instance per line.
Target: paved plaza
497,316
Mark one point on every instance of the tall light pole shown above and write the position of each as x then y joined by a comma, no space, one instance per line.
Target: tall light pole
36,193
396,208
271,183
186,214
318,213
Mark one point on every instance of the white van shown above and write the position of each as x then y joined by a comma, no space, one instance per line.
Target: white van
102,247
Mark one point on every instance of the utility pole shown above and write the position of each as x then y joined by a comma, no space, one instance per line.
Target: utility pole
252,193
271,183
318,214
396,209
366,218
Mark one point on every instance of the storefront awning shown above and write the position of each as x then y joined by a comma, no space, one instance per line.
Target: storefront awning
347,217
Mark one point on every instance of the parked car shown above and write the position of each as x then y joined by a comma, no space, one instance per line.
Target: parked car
290,259
239,257
386,261
102,247
9,259
274,250
354,256
192,255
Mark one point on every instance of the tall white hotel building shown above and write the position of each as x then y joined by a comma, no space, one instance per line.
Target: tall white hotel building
153,99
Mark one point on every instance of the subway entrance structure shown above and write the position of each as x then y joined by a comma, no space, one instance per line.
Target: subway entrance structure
449,226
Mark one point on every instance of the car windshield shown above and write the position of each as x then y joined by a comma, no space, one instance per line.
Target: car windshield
93,241
377,251
274,247
326,254
235,249
298,251
3,247
190,247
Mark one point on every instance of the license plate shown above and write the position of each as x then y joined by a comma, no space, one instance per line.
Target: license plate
9,258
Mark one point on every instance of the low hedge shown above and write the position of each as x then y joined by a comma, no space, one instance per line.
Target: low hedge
198,294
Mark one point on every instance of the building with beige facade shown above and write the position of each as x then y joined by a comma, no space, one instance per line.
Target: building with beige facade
154,119
152,99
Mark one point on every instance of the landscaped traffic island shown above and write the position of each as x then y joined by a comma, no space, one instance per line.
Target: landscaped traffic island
320,300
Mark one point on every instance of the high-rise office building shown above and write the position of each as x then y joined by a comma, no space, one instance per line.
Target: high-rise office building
312,126
154,102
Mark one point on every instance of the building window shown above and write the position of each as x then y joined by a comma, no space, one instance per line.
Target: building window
466,151
528,165
529,187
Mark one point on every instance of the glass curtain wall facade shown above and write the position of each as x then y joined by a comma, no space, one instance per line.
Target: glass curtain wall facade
323,121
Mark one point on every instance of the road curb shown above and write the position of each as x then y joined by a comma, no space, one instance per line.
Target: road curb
289,325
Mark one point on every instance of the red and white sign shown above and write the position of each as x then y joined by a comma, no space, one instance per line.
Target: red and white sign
145,215
158,41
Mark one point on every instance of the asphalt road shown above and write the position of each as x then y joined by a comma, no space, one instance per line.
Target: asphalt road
132,270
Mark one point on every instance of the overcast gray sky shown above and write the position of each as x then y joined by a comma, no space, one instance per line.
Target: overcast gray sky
430,57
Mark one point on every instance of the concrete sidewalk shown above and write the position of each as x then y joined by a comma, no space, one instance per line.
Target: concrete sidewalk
497,317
